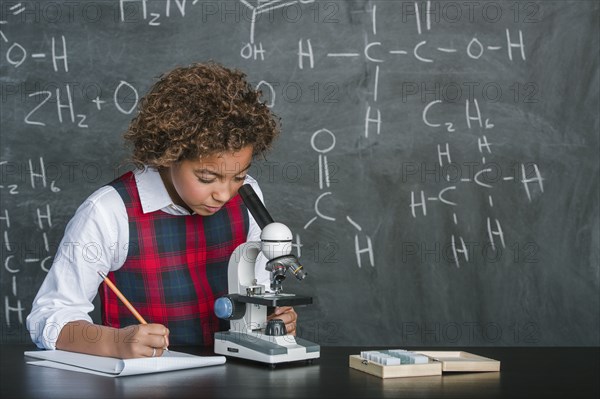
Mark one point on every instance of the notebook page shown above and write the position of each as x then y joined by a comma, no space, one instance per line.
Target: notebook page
107,366
169,361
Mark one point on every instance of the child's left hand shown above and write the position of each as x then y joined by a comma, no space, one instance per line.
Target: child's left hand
288,315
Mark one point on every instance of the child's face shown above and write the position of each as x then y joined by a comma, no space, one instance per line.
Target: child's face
206,184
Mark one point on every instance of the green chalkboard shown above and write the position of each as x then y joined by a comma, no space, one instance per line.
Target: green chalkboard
438,165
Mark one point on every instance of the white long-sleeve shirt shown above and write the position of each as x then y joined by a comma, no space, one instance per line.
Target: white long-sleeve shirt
96,239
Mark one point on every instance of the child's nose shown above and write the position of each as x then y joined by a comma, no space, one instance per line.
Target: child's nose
223,193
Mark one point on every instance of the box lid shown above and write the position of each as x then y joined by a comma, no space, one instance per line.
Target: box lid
460,361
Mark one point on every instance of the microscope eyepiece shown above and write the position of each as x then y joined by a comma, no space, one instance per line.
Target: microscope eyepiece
255,206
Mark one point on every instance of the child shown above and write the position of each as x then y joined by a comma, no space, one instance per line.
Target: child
163,233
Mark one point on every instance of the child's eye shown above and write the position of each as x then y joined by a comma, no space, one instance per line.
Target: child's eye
239,178
205,181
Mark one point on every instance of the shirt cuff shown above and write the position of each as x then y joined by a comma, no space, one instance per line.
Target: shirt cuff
46,335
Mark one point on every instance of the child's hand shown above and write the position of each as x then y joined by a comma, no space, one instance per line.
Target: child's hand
288,315
143,340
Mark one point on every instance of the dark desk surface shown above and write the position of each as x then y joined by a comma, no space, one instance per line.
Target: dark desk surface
525,372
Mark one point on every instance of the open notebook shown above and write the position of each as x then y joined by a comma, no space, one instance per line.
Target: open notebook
112,367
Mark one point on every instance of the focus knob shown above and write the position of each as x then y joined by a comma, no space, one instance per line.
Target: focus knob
228,308
275,327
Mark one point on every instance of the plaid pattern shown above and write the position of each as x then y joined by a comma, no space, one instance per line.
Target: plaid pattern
176,267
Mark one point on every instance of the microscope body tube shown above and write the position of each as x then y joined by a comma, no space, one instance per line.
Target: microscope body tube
255,206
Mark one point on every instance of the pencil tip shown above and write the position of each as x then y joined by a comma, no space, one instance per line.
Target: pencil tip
101,274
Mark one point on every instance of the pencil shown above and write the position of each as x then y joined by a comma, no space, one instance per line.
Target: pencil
124,300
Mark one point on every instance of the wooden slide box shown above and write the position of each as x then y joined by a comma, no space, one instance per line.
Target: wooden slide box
402,370
440,361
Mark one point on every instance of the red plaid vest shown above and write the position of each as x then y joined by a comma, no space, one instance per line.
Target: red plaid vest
176,267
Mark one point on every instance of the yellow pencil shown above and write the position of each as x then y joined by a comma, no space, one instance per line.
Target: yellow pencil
122,298
125,301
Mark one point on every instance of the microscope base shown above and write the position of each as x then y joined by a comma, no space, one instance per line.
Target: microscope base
264,348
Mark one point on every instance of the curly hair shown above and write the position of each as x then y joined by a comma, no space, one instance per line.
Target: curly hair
199,110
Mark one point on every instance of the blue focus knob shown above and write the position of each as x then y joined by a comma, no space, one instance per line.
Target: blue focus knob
223,308
228,308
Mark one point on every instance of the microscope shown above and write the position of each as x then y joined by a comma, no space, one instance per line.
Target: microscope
250,335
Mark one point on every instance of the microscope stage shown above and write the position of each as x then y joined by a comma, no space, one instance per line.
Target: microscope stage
276,299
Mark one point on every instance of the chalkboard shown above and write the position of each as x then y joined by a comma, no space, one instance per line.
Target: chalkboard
438,163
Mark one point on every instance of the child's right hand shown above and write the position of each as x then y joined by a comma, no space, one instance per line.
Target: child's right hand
142,340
